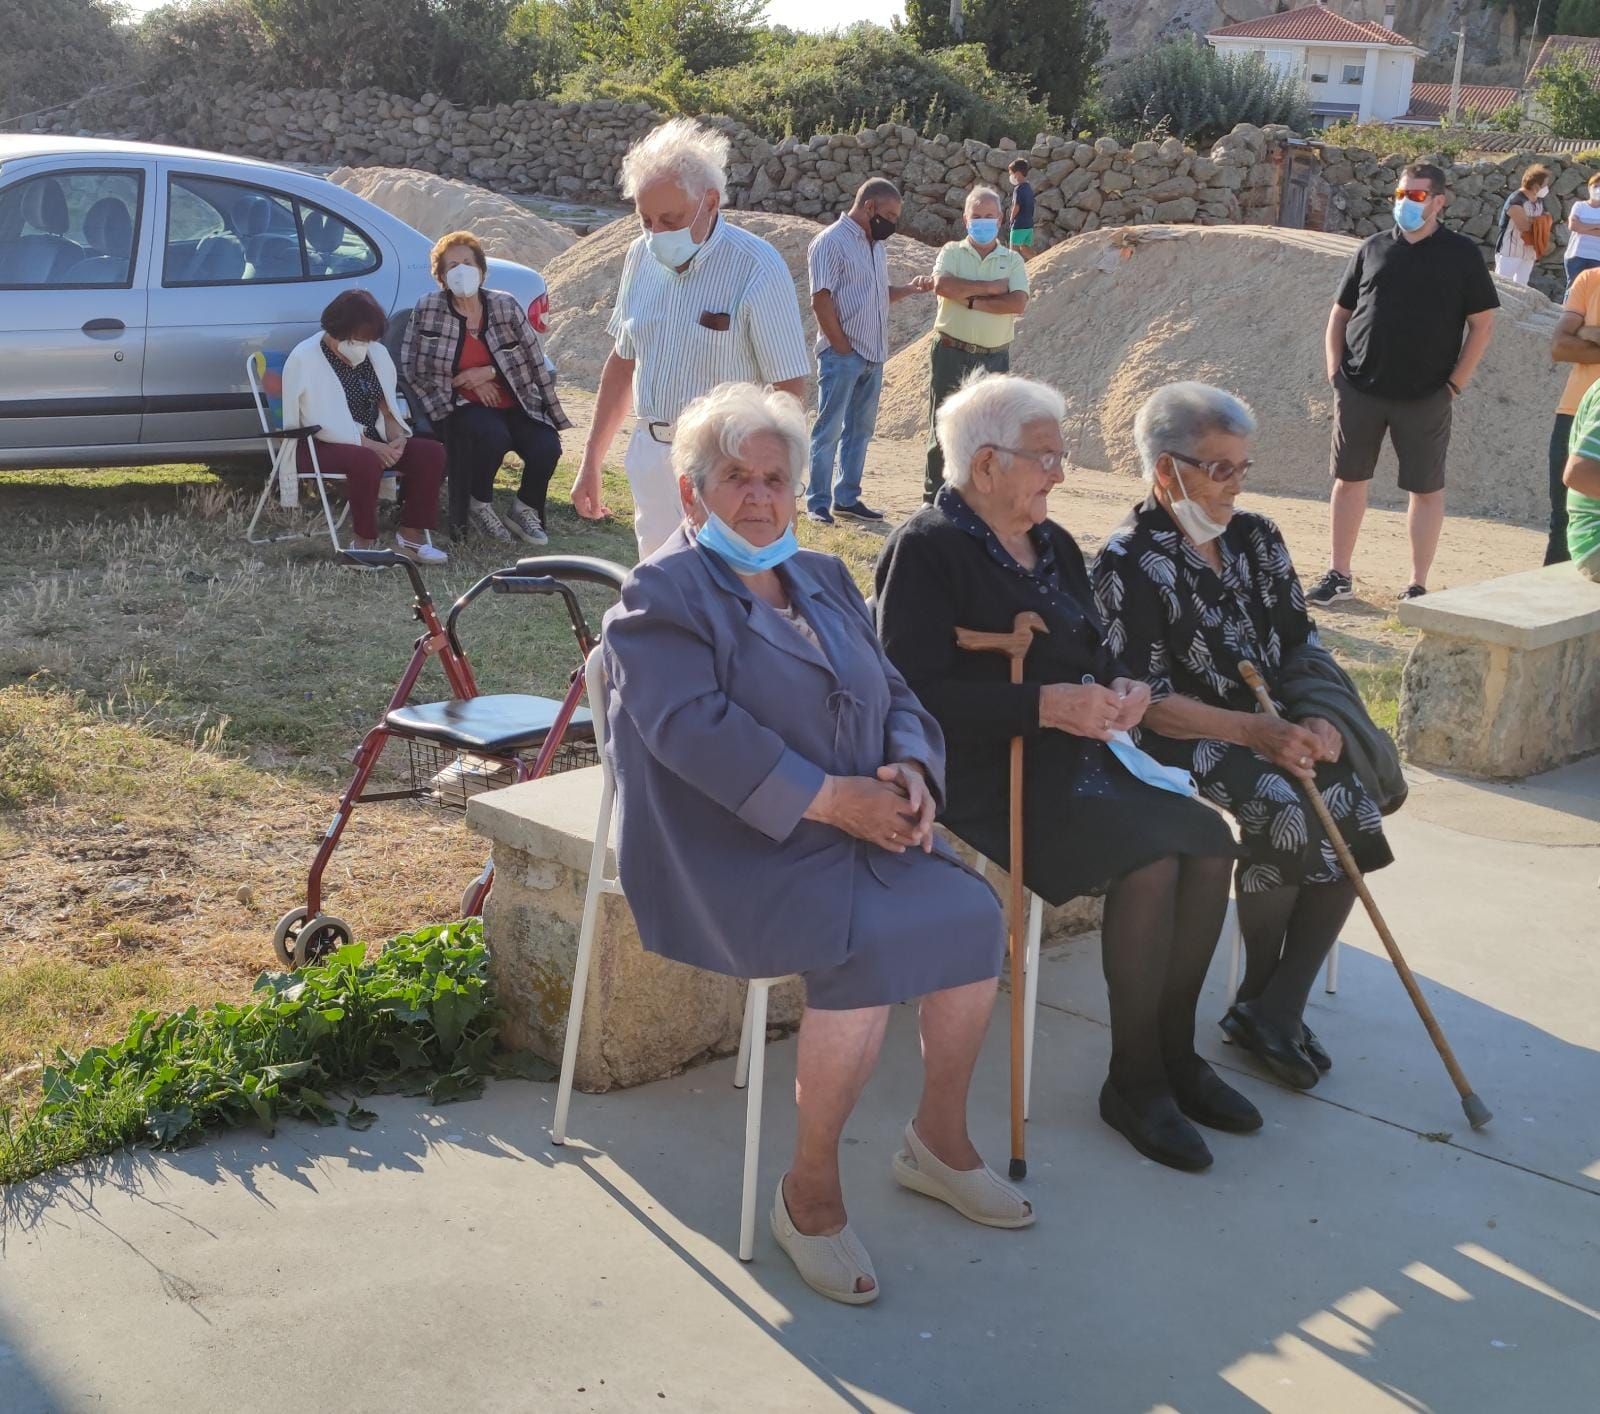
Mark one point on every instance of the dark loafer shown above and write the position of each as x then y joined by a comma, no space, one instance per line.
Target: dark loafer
1271,1045
1313,1048
1207,1099
1156,1129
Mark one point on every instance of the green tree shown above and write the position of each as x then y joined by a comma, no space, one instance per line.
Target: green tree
1568,100
1055,45
1578,17
650,35
58,50
1191,91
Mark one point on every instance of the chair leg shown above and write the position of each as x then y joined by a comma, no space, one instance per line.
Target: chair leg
741,1067
1230,930
756,1030
1330,978
1030,998
580,972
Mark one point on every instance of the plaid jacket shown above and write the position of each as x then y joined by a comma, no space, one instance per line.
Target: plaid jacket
430,356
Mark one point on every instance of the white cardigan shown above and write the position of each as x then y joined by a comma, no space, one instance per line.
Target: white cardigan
314,397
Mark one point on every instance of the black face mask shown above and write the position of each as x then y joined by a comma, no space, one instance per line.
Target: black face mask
880,228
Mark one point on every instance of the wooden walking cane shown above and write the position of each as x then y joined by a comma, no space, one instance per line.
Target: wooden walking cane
1476,1111
1015,647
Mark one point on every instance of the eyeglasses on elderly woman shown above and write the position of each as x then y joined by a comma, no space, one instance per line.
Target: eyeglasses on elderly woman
1047,461
1221,470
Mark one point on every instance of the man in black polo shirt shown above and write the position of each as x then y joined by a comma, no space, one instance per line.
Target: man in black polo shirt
1398,360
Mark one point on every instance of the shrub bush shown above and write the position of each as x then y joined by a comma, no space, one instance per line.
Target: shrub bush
1413,144
1189,90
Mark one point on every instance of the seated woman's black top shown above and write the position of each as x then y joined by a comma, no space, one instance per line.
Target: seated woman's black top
363,394
1087,819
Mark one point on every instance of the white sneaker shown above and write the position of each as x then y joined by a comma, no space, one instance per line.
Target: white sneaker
482,518
523,522
427,553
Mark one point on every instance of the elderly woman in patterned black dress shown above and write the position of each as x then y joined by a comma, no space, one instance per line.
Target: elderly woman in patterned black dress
1190,586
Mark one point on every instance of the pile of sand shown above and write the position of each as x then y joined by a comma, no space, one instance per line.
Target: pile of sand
1115,314
436,205
583,287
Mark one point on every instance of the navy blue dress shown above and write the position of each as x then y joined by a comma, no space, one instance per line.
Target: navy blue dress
1087,820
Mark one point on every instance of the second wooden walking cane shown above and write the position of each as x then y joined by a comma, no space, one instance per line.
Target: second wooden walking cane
1014,646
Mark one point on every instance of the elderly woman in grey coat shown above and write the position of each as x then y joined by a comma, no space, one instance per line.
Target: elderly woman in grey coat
777,784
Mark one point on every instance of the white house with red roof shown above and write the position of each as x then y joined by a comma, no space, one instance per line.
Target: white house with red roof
1353,70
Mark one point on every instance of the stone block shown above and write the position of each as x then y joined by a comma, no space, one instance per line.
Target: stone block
1089,200
1180,210
1172,189
1114,181
1506,677
1144,151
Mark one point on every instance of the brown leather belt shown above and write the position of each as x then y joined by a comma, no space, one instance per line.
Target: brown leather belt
965,347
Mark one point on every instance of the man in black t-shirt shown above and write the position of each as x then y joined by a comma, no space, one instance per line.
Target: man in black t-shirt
1412,318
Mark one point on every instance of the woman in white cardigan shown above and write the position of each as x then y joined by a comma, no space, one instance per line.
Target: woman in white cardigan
342,381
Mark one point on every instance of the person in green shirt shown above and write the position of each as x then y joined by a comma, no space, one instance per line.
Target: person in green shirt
1582,478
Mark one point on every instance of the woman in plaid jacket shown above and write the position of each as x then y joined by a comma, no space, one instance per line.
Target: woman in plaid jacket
478,369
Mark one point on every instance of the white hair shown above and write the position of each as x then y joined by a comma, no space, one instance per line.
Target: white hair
975,194
1181,415
695,157
719,424
990,410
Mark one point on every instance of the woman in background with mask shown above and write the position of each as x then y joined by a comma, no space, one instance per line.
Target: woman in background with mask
776,789
342,381
476,365
1189,587
1524,235
1100,816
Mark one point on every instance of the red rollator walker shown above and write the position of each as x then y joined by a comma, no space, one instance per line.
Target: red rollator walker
466,744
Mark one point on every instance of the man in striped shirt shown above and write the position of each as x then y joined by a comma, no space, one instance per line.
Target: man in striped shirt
851,295
701,303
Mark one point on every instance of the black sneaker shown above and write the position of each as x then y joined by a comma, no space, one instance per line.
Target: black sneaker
1330,587
860,511
1412,591
819,517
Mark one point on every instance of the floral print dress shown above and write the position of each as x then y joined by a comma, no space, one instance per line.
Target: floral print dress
1183,629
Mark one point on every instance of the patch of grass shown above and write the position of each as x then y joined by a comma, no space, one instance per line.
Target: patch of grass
416,1018
1379,685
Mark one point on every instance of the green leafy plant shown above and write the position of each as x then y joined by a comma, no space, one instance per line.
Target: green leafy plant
1201,94
1412,144
1568,99
418,1019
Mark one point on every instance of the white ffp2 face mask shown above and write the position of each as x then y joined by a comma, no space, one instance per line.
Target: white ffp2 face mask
463,280
354,351
676,248
1193,521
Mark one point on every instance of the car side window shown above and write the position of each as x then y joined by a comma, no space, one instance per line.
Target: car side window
229,233
335,250
70,230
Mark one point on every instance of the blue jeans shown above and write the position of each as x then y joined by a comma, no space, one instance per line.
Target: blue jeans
847,408
1576,265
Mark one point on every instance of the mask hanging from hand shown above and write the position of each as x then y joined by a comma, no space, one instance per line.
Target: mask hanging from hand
741,556
1193,521
1146,768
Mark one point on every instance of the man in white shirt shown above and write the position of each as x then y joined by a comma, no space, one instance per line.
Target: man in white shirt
701,303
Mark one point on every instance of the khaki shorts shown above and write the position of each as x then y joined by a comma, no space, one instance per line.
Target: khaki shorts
1419,429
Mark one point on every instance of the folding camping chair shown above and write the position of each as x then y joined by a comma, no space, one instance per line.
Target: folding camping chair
265,373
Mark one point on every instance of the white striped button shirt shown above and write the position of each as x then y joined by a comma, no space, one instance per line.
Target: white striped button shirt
656,321
845,261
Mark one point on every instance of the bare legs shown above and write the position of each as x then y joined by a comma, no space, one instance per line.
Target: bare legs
837,1053
1424,522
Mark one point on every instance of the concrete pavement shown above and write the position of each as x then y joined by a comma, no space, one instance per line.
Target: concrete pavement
1365,1251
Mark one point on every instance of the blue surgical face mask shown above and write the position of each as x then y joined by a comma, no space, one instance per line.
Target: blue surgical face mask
1146,768
983,229
675,248
1409,215
743,557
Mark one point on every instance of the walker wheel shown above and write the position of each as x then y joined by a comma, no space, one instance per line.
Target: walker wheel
283,936
320,936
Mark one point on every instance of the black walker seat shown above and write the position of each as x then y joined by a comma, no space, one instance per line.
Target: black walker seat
494,724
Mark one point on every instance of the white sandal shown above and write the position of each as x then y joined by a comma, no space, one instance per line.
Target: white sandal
979,1194
830,1266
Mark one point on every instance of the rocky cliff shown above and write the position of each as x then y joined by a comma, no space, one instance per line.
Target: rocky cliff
1492,36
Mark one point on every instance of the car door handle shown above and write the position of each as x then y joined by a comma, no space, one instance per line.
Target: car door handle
104,326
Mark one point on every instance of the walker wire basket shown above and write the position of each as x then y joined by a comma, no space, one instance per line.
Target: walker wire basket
448,778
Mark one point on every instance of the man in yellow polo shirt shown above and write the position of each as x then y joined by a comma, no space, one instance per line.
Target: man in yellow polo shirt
982,288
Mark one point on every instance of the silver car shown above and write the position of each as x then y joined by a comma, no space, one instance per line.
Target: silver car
135,279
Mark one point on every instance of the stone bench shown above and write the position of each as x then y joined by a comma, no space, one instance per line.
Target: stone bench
644,1017
1505,681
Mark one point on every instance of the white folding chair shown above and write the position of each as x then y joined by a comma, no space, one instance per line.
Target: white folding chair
750,1068
265,374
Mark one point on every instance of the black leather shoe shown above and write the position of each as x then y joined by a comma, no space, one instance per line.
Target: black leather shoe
1156,1129
1271,1045
1207,1099
1313,1048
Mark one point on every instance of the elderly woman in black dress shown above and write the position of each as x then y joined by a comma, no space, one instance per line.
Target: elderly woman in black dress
982,553
1189,586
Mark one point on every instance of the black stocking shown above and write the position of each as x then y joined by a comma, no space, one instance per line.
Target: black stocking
1319,914
1263,920
1160,927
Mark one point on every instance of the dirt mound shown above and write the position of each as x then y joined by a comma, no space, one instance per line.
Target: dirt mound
583,287
435,205
1116,314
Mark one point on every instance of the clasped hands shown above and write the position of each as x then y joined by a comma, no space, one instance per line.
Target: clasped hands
892,809
481,379
387,453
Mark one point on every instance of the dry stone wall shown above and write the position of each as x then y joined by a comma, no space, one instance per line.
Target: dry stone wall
574,150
